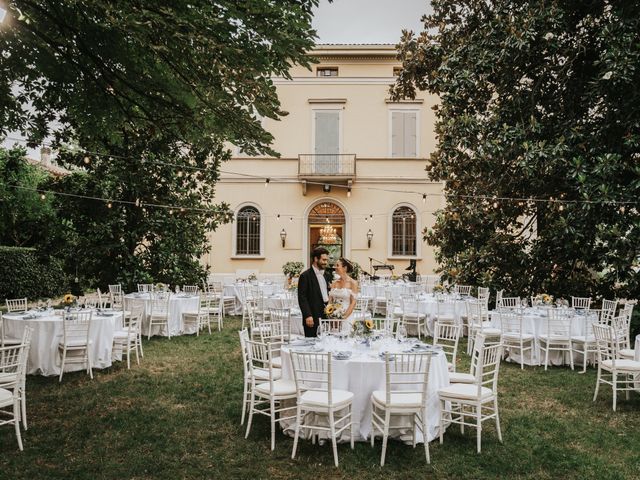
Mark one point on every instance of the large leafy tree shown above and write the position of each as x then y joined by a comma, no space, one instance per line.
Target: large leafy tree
143,82
538,131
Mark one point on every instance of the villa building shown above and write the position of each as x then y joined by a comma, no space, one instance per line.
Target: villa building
351,175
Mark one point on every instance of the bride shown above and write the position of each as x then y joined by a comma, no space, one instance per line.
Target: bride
344,291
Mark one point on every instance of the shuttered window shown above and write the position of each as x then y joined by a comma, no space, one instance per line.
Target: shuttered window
248,231
403,232
403,134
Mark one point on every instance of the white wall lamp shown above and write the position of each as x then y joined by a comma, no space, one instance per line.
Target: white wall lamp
283,237
369,238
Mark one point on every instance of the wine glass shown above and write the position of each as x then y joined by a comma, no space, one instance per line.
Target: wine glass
402,333
321,332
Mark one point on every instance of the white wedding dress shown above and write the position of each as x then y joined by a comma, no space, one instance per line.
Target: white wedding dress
343,297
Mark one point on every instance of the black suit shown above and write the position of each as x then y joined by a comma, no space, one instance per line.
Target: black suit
310,299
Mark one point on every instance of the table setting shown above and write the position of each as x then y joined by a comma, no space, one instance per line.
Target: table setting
358,365
47,325
179,303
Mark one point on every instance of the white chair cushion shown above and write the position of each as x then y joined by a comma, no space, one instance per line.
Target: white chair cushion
490,331
628,353
123,334
516,337
554,338
460,377
465,391
398,399
8,378
583,339
321,399
6,397
280,388
623,364
263,373
276,362
75,344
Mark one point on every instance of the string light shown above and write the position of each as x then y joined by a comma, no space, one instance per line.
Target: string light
285,180
266,182
43,196
87,160
349,192
109,205
424,198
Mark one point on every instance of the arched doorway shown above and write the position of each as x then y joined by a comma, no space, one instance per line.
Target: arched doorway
326,228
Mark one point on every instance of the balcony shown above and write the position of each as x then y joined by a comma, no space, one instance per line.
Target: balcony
327,167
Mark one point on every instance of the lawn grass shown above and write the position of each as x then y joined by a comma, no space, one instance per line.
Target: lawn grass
177,415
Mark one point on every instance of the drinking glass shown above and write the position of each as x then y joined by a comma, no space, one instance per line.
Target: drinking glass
402,333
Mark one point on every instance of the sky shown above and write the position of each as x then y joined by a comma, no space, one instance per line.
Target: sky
367,21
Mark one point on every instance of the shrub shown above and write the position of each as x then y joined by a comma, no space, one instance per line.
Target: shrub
25,273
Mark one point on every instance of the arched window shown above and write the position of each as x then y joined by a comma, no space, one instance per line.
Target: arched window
403,232
248,231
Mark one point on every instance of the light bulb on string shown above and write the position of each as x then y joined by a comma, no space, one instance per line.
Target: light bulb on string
43,196
170,212
266,182
109,205
278,216
87,160
349,192
561,207
424,198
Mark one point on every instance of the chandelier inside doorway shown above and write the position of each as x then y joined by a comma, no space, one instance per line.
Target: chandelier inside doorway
328,235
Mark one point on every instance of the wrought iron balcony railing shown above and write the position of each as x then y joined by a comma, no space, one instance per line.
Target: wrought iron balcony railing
327,165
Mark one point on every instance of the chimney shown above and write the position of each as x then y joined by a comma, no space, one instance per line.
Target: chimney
45,155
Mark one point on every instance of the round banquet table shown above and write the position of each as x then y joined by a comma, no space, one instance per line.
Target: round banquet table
534,321
364,373
178,304
44,358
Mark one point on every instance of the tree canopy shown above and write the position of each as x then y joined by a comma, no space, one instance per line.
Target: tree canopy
538,144
144,96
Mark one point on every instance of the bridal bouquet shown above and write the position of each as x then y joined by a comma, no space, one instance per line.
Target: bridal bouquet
334,311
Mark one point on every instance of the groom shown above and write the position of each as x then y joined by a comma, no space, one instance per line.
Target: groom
313,291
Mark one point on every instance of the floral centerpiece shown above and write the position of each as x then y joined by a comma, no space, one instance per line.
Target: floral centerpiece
161,287
292,269
543,299
363,328
252,277
438,289
69,300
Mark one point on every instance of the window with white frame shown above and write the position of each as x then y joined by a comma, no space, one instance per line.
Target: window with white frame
403,232
404,133
248,231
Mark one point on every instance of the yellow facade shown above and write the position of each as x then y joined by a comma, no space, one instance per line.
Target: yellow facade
360,122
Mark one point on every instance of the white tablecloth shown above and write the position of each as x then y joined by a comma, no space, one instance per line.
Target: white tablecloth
178,303
364,373
534,321
44,358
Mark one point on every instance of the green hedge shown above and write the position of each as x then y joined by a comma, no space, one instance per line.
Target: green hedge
25,273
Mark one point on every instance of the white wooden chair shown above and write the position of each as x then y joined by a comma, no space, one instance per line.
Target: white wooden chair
557,337
509,303
581,303
228,302
415,317
267,394
479,324
13,367
622,327
608,311
5,341
464,290
76,345
585,344
115,289
159,312
483,293
282,315
379,300
514,337
16,304
145,287
190,289
129,337
461,403
614,371
315,394
405,393
447,335
200,317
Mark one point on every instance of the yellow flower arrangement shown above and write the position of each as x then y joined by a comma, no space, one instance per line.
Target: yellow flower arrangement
68,299
369,324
